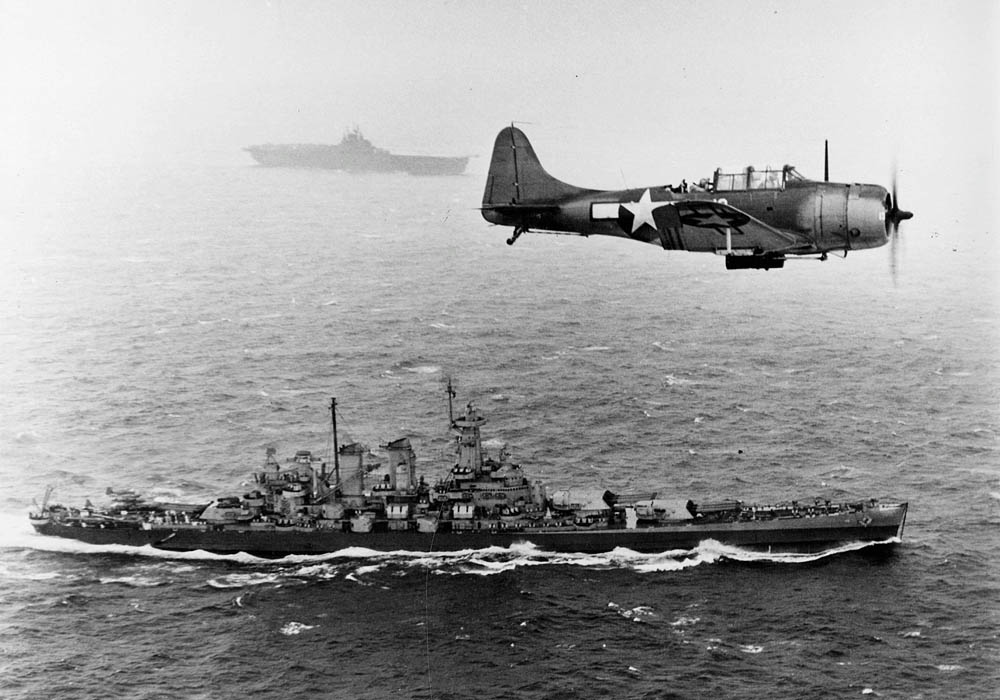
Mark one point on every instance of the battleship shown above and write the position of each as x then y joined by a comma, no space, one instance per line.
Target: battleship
354,154
307,505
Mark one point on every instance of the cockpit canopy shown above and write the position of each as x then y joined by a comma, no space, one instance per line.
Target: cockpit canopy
752,179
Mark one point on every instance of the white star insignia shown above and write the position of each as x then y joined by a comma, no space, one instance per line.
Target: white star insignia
642,211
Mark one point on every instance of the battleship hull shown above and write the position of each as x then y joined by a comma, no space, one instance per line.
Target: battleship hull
882,524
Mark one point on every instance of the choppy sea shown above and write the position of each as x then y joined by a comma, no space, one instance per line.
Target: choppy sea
162,326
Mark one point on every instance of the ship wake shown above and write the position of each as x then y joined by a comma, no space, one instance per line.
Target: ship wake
355,562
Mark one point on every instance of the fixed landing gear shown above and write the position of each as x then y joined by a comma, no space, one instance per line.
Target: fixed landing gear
518,230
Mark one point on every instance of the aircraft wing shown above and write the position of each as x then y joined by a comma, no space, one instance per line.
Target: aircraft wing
704,223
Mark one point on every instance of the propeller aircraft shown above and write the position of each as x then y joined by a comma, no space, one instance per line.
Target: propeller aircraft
755,218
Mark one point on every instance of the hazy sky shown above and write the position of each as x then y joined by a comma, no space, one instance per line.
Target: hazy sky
609,91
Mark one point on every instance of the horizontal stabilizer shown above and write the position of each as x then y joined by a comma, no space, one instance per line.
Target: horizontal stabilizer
521,208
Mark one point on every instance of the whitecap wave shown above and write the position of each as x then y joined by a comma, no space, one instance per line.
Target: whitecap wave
291,628
640,613
26,437
243,580
673,380
132,581
685,621
423,369
10,575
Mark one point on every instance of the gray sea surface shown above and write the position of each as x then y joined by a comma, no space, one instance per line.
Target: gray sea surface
161,328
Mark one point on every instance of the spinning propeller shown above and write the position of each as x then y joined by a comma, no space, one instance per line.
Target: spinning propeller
894,215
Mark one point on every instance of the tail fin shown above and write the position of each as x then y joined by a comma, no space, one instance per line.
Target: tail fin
516,177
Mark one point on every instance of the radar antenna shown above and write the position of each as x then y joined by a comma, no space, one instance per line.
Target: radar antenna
451,395
336,446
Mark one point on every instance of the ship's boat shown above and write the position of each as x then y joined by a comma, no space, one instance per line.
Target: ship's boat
309,506
354,154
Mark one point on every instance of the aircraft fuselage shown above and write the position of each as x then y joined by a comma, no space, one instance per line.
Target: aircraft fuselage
834,216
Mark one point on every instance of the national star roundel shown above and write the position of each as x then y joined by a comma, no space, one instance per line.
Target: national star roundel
637,218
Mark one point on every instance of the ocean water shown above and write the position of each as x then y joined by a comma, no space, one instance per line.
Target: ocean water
161,327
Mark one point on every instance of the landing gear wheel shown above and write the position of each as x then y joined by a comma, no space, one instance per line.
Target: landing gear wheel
518,230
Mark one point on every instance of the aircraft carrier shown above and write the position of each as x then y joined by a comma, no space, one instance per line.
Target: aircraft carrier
354,154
